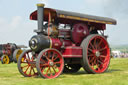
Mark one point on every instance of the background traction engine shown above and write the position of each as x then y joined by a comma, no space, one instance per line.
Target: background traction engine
10,52
65,42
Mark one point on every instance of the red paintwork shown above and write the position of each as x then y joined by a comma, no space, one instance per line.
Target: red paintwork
72,52
57,43
69,49
79,32
65,33
67,43
104,57
58,64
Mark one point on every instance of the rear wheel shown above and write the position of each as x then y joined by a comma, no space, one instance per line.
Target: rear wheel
27,64
71,68
16,54
50,63
96,54
5,59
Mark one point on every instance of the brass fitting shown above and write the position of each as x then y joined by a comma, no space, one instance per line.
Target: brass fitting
40,5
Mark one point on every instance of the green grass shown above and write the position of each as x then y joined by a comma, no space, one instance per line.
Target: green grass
117,74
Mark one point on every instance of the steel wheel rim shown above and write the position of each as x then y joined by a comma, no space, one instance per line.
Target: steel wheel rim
51,64
98,53
27,65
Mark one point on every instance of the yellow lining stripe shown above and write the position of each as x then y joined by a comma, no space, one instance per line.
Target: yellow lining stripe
50,43
83,19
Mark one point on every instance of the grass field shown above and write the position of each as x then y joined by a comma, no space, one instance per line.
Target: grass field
117,74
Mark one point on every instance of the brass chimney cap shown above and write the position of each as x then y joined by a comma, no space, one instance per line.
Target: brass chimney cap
40,5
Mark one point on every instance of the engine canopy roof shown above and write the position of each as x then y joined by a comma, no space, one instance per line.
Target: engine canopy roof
66,17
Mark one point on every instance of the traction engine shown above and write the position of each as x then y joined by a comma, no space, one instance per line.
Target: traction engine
10,52
65,42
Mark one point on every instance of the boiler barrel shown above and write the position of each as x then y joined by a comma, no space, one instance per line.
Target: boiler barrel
40,42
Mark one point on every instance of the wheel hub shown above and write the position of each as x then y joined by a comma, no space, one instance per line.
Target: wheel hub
97,53
51,63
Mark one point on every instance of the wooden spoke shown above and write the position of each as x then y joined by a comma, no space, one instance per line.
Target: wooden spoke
92,45
54,69
103,48
57,62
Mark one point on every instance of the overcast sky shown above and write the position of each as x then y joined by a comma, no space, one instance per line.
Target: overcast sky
15,26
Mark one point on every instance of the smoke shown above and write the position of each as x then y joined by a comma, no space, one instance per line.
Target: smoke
116,7
109,7
118,10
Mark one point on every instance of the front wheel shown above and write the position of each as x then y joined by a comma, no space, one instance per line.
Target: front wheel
96,54
50,63
27,64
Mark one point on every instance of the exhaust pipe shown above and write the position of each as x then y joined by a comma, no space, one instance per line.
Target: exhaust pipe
40,17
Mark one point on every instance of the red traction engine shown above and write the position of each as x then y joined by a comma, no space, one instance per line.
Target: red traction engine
65,42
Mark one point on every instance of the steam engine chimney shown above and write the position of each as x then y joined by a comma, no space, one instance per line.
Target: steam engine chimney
40,17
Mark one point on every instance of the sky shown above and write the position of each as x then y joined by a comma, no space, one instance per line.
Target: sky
16,27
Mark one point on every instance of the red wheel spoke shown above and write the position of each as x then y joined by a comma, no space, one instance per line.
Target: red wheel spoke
42,70
91,55
43,60
55,58
100,43
57,62
46,64
89,58
92,59
100,61
47,58
102,56
92,45
90,50
48,54
25,66
33,70
103,48
54,69
27,69
30,71
95,45
48,70
95,61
